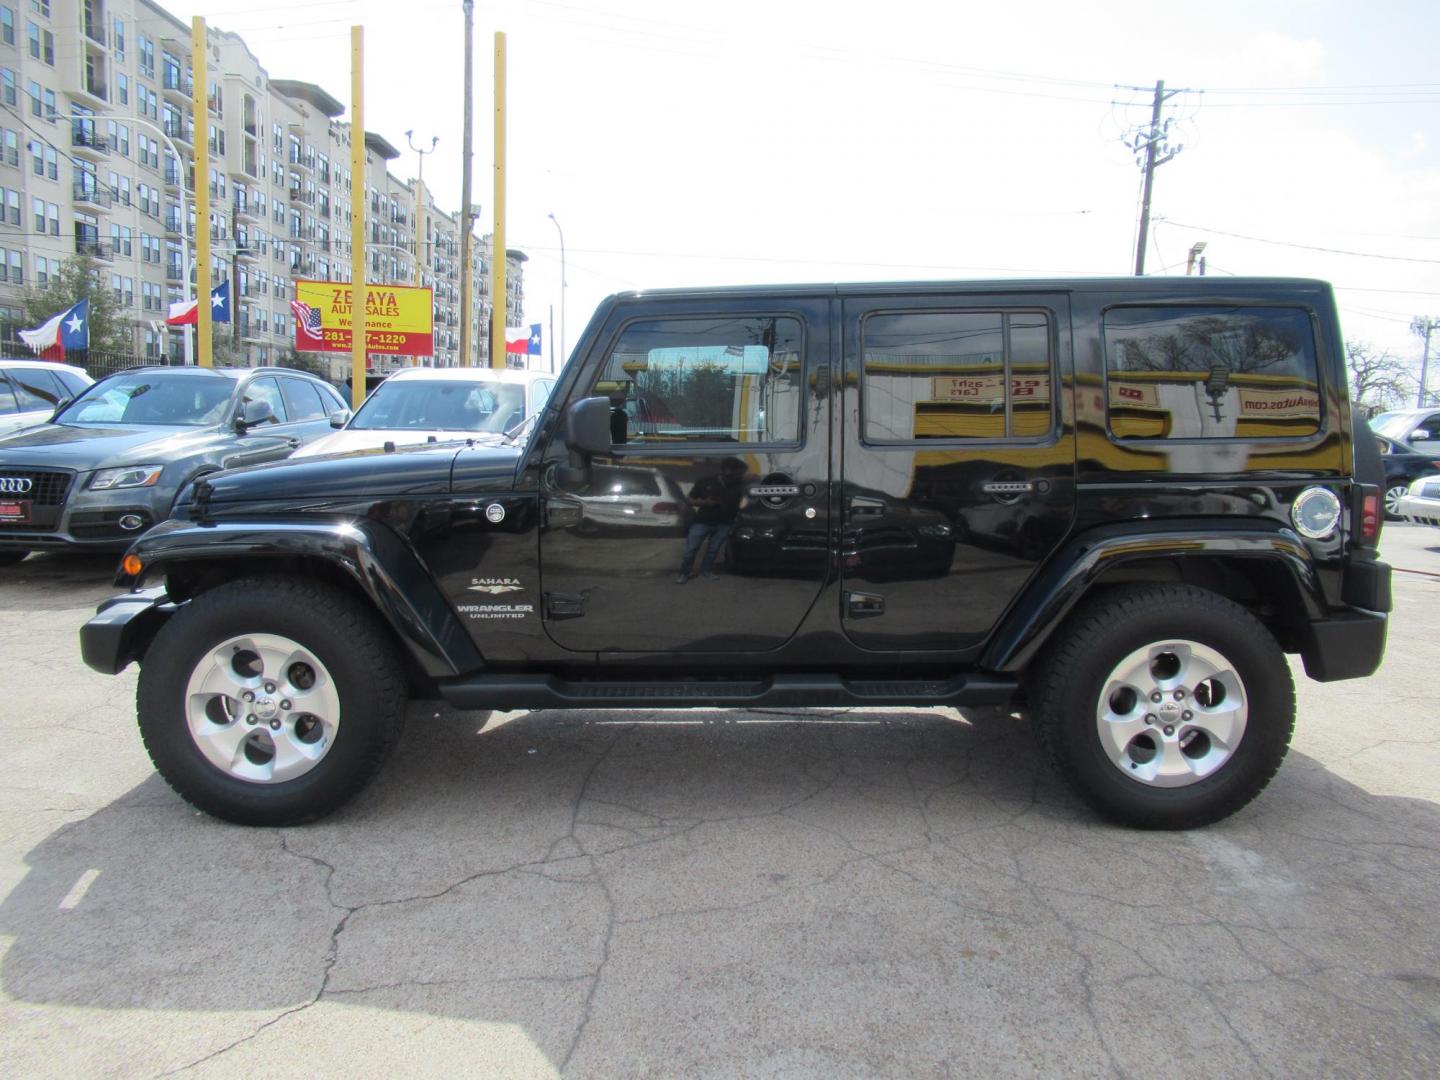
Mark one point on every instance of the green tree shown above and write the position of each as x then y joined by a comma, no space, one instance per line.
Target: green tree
79,279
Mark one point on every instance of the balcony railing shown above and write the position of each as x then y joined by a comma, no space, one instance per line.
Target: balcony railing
177,83
83,135
174,273
93,192
92,246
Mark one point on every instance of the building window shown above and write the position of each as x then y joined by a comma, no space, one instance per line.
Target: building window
122,88
119,39
7,25
147,55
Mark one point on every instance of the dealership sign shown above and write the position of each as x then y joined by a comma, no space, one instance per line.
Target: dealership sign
399,320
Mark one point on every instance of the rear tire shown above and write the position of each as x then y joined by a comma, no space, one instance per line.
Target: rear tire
1164,706
270,700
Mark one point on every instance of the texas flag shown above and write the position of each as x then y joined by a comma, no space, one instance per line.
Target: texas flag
68,330
185,313
522,342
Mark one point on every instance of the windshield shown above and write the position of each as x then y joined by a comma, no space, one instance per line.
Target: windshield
433,405
152,397
1394,424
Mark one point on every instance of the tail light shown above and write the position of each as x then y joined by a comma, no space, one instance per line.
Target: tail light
664,508
1369,515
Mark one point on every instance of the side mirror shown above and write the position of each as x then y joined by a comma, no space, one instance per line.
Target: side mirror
252,413
587,432
1419,435
587,426
340,417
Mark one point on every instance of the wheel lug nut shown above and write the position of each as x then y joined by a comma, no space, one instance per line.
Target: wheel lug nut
1150,718
1169,730
1187,715
1180,695
249,695
1155,697
269,687
274,725
250,719
285,704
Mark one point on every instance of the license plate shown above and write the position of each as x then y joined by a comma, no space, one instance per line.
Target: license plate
15,510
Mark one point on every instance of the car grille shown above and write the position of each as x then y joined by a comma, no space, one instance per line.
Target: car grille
46,496
47,487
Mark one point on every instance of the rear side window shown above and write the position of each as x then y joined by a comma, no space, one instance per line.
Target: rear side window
721,378
7,397
1210,372
956,375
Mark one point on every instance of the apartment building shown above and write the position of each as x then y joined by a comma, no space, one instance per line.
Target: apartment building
97,157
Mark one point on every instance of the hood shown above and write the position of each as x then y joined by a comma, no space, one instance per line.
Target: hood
100,446
364,474
349,440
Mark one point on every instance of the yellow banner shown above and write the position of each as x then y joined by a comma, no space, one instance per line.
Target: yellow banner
399,319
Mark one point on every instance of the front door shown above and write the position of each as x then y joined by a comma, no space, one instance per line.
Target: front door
705,526
959,461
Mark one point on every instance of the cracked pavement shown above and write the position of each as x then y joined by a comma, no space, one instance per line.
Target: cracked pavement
826,893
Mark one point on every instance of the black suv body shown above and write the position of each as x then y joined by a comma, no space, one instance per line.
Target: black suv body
1115,504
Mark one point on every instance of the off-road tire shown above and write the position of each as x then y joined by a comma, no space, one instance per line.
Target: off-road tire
1065,686
342,633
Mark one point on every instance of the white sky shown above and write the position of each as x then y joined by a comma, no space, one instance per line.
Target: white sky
753,141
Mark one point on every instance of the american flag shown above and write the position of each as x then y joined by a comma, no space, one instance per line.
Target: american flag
307,319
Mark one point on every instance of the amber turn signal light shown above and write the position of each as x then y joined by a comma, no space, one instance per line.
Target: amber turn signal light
132,565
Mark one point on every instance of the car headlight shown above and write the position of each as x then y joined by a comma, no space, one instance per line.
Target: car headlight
131,476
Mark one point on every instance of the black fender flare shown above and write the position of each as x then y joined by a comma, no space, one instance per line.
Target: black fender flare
1077,566
384,568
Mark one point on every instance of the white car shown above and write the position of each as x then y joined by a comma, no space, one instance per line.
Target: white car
1421,504
31,390
419,405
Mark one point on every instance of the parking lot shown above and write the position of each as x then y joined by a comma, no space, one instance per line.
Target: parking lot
846,893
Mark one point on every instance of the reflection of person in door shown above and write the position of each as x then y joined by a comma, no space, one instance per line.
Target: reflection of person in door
716,501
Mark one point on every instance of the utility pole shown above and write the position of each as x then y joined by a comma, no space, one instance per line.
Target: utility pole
1423,326
1196,255
359,294
200,106
499,302
1150,145
467,213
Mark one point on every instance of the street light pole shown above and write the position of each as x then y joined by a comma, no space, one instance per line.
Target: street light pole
420,210
562,284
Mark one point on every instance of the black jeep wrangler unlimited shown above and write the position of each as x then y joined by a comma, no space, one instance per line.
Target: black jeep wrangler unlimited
1114,504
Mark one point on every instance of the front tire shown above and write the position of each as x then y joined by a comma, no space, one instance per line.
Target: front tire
1164,706
270,700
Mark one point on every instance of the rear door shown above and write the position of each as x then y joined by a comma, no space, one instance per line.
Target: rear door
720,446
958,461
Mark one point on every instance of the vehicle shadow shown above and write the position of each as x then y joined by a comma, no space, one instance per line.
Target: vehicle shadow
842,893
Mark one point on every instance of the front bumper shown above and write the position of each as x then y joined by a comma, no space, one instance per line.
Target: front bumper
88,520
122,628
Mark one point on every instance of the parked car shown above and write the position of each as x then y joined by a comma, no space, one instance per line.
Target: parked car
1408,425
419,405
111,462
1421,502
1403,464
31,391
1185,491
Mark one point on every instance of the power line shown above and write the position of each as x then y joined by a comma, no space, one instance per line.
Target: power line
1302,247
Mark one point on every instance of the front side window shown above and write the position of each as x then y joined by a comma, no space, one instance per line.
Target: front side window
722,378
1215,371
956,375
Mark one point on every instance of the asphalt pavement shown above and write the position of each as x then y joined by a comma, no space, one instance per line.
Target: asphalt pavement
837,893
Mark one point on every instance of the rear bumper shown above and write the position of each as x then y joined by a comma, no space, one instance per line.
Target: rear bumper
122,629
